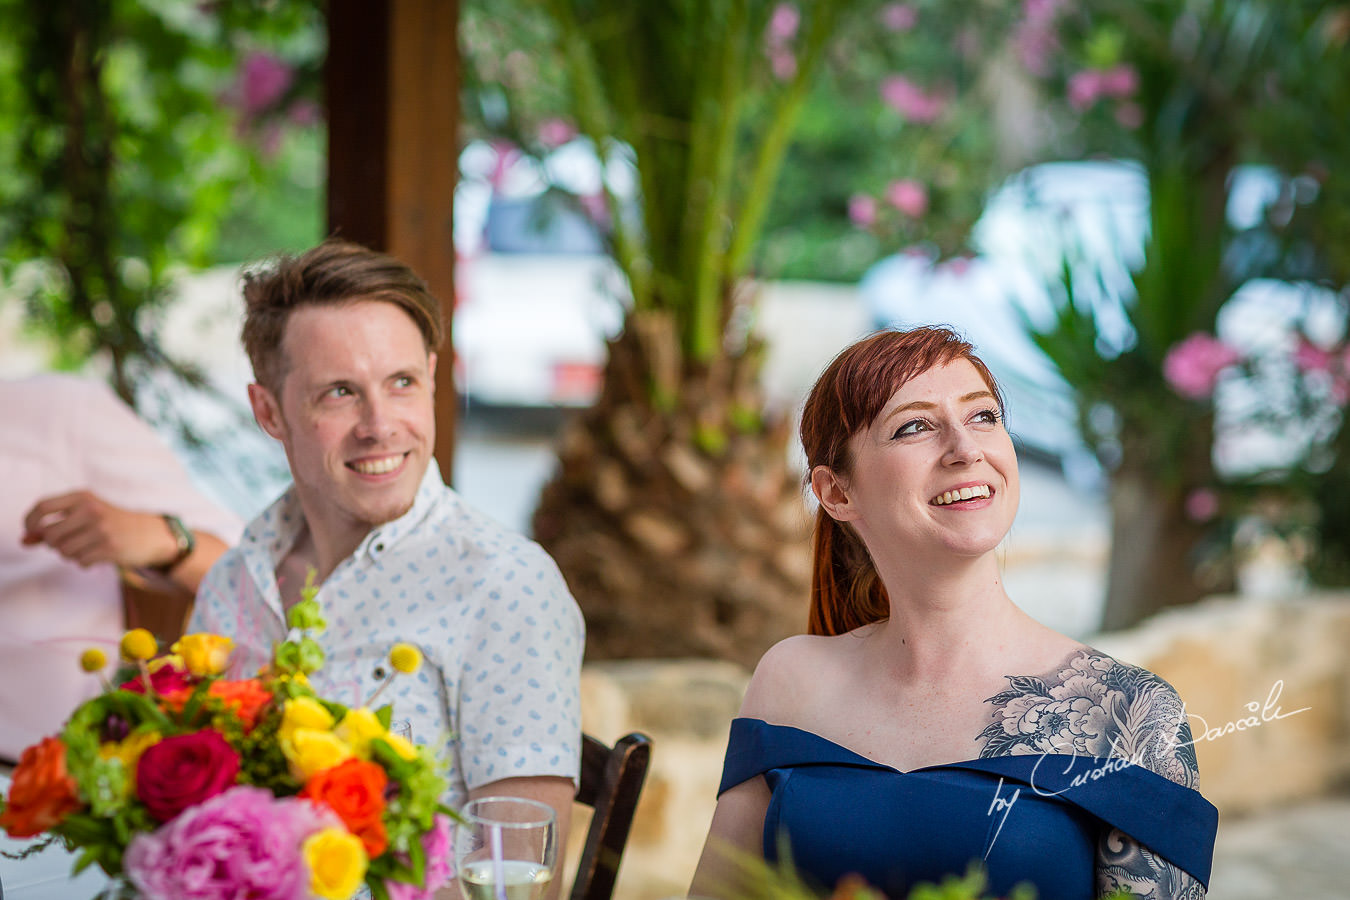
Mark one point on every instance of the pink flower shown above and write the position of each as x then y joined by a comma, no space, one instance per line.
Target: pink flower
912,101
783,23
554,132
440,863
783,63
1084,88
908,196
1130,115
1120,81
1035,44
898,17
1202,504
263,80
304,113
1311,358
1192,366
862,210
242,843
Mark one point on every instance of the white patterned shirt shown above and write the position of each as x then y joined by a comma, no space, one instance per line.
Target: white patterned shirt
498,694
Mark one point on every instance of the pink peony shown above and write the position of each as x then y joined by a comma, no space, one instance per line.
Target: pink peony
440,863
908,196
1192,366
862,210
912,101
242,843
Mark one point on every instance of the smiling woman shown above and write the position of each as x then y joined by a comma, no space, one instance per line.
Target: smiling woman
912,722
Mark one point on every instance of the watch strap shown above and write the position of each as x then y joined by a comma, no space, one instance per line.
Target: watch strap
187,542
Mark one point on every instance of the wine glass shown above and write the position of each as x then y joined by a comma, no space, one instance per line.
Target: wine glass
506,848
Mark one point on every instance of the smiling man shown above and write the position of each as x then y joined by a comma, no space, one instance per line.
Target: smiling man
342,341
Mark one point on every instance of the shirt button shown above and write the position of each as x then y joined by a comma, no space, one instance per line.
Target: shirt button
379,548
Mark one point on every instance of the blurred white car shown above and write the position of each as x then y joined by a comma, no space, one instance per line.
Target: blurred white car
536,295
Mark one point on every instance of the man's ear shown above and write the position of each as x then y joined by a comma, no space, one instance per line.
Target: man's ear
833,495
266,410
431,370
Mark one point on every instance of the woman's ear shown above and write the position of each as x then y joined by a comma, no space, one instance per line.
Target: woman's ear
832,493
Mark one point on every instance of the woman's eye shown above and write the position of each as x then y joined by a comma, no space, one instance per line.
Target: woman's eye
912,427
989,416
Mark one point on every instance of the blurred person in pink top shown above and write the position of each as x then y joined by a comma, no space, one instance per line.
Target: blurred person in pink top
90,492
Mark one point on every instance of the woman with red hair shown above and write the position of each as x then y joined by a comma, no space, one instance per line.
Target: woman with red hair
926,723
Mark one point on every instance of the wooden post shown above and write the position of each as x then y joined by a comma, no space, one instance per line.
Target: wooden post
392,83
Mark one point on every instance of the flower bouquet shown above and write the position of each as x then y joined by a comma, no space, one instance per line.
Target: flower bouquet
181,784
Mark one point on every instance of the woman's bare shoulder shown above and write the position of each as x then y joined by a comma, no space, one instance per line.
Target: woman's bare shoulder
791,675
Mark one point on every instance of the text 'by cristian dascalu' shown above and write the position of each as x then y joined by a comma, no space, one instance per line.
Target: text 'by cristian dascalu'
1259,714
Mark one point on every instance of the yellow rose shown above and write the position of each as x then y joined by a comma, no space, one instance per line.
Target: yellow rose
401,745
303,712
357,727
337,863
168,659
129,752
309,750
204,654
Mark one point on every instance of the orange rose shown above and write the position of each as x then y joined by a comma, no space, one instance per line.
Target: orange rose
354,789
247,698
42,792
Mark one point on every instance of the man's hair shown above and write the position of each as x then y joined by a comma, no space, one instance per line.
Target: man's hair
331,274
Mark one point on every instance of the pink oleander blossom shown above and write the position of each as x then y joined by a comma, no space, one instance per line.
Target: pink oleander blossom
1192,366
1311,358
911,101
555,131
1202,504
242,843
862,210
782,63
1087,86
908,196
440,863
783,23
898,17
263,80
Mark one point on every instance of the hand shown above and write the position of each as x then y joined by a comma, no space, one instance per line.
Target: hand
88,530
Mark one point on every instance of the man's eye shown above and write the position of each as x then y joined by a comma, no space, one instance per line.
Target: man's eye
339,391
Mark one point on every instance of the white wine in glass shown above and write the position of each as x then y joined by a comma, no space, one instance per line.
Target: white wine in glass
506,849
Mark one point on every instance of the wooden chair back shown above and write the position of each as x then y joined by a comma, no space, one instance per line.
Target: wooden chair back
611,780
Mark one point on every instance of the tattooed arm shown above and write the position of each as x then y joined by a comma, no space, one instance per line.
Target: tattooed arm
1154,732
1095,705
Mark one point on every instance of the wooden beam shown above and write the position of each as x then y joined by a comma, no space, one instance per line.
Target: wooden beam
392,80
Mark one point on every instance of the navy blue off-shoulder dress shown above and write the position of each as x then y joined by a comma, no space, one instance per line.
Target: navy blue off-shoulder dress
1030,818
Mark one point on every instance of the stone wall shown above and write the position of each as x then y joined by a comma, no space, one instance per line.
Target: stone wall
1250,663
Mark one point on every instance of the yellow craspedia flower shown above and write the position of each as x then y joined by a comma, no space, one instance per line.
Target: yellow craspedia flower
93,659
337,863
138,643
405,658
357,727
129,752
303,712
310,751
204,654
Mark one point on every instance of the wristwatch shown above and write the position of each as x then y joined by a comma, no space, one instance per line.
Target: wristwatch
186,543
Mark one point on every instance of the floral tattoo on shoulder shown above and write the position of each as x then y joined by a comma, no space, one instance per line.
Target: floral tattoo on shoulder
1094,705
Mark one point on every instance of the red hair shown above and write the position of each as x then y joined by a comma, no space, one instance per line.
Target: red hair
846,592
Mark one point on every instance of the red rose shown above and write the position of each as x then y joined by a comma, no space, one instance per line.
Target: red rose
164,679
184,770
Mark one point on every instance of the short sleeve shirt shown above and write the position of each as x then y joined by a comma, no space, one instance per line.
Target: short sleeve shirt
498,694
